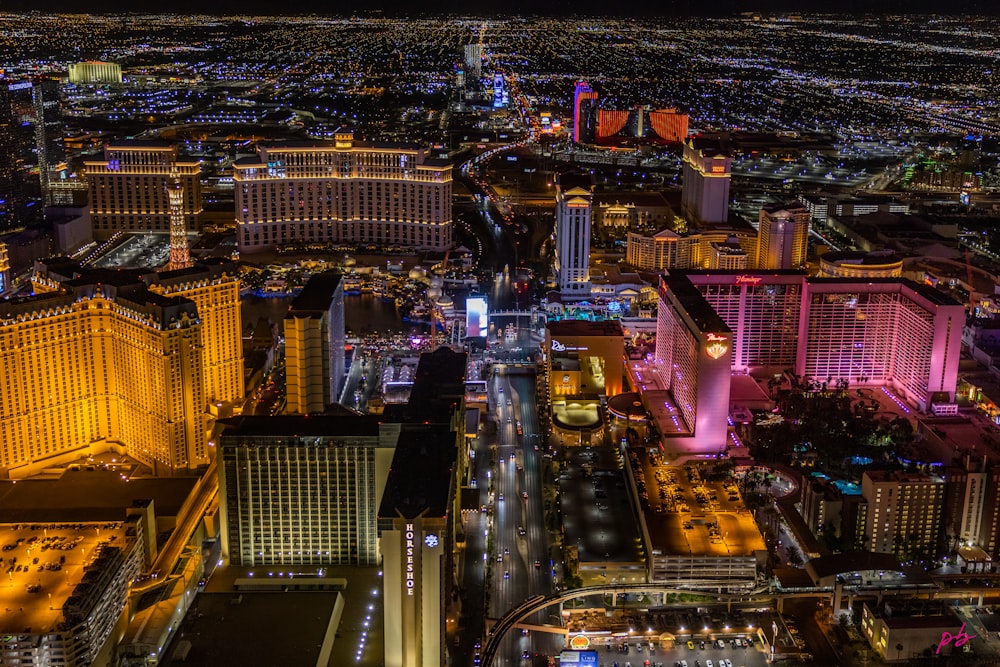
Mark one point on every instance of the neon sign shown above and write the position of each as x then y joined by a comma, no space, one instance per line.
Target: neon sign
715,338
960,639
748,280
716,350
410,582
718,169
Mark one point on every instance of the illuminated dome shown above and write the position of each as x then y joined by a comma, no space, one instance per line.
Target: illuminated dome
417,273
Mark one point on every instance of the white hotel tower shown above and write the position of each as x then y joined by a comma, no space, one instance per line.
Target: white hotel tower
305,193
574,210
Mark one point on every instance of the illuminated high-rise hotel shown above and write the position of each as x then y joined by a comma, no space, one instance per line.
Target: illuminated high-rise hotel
705,181
314,345
474,60
886,332
93,71
128,188
783,236
584,113
117,360
303,490
574,213
345,192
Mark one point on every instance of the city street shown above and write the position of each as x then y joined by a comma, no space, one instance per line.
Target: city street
520,556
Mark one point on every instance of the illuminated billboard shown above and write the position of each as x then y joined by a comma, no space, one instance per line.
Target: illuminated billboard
581,658
476,317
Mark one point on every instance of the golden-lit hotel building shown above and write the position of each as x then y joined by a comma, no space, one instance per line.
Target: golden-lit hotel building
306,193
128,188
124,361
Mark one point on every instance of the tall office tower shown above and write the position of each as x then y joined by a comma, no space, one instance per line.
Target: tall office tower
783,236
179,257
584,113
103,360
11,175
705,186
48,131
314,345
347,192
128,188
474,60
574,208
903,512
303,490
95,72
693,354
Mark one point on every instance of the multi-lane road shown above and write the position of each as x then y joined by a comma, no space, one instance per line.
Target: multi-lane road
519,546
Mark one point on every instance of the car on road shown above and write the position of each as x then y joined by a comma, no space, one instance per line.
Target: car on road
500,497
538,564
524,495
690,646
506,574
708,663
520,530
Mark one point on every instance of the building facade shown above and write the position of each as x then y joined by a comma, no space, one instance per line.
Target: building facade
841,328
93,71
12,196
584,113
129,188
574,211
345,192
314,345
860,265
693,358
706,178
783,236
904,510
122,361
302,491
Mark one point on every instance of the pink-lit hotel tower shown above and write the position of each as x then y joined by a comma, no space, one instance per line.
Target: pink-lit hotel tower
885,332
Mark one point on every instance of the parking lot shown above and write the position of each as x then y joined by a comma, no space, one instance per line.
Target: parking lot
42,563
683,653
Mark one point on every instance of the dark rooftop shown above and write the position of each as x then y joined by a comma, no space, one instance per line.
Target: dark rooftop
420,477
89,495
316,296
264,629
574,179
713,144
294,426
694,303
585,328
438,389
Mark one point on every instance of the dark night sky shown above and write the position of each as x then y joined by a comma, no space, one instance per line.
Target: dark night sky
509,7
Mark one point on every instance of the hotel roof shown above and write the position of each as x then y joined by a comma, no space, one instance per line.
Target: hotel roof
316,296
694,303
295,426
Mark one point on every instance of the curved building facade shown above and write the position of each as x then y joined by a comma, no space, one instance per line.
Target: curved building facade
344,192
